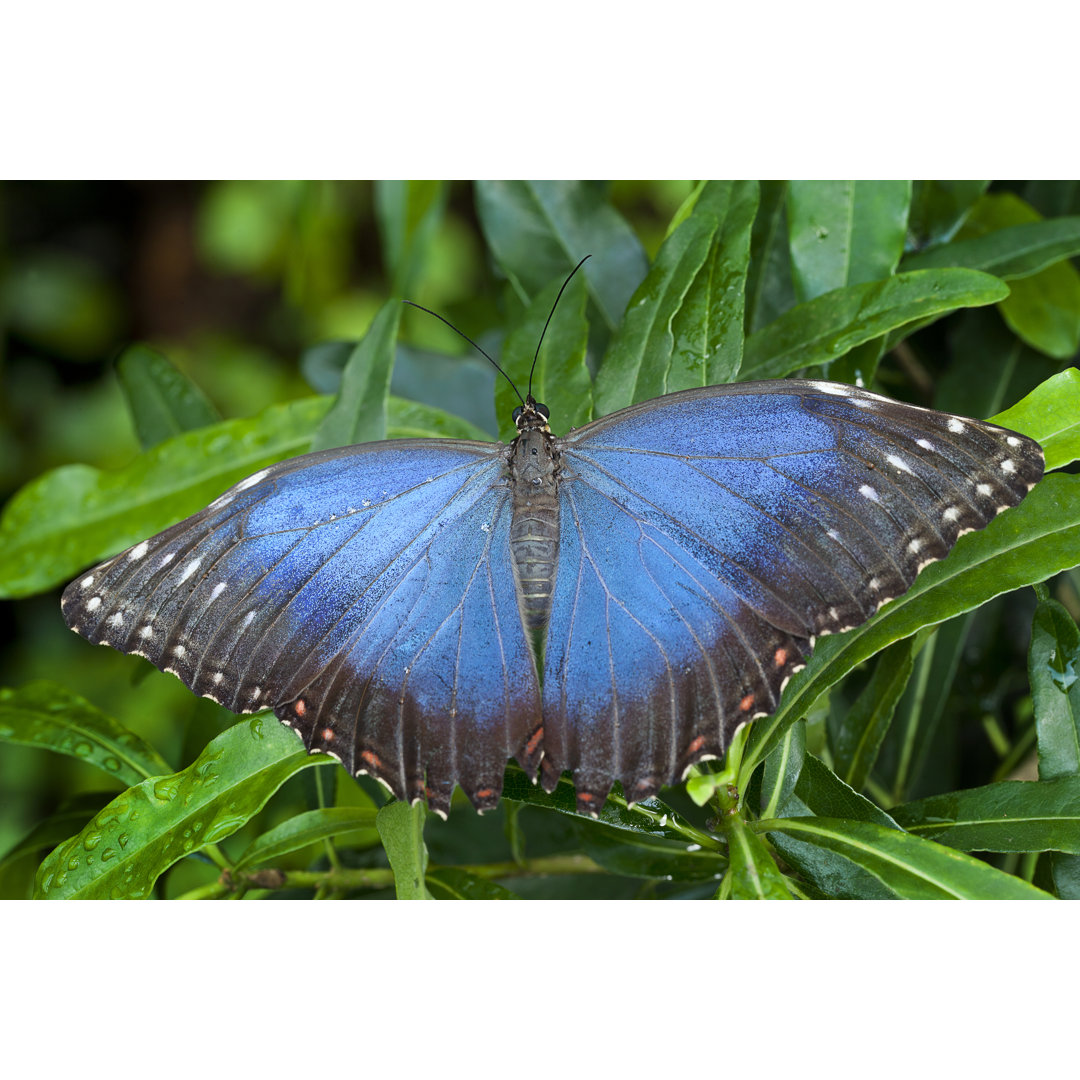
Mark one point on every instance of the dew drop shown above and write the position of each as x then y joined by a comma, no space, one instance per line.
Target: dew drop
257,727
112,764
122,840
83,749
107,854
91,840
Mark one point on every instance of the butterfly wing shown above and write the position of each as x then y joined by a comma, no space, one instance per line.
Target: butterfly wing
707,538
364,593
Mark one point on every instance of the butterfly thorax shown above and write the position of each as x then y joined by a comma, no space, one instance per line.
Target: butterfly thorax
534,531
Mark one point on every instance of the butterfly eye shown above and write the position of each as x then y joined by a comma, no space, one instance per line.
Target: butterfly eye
516,414
543,410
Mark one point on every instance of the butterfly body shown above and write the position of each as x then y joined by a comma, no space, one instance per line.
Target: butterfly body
613,603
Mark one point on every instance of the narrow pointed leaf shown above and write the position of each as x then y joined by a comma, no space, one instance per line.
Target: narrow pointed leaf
453,883
825,328
782,768
359,413
636,853
939,207
306,829
769,288
1051,414
1012,815
821,793
408,213
46,715
144,830
163,401
888,863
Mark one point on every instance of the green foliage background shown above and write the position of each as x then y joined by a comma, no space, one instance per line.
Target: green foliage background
933,752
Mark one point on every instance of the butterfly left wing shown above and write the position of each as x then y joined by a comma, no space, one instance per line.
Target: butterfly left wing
364,593
707,538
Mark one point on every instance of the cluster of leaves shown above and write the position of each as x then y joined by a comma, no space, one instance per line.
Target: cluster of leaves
819,800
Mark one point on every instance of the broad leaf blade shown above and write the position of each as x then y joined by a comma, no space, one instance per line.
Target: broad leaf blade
453,883
401,828
1012,815
45,715
144,830
306,829
824,329
1054,672
753,873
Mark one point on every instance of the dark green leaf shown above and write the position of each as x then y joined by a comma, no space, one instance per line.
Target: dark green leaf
162,400
821,793
401,828
1054,672
1014,251
144,830
305,829
453,883
638,853
57,827
752,875
539,230
1065,873
939,207
769,288
561,379
824,329
782,768
1013,815
883,862
359,413
46,715
856,736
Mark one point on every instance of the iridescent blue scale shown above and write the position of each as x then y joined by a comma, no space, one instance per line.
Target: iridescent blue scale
679,559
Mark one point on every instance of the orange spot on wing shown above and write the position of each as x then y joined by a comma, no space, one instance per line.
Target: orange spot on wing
586,797
300,708
485,793
781,657
534,742
371,759
328,734
696,745
747,703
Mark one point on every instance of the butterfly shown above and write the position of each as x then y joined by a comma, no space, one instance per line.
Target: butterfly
614,603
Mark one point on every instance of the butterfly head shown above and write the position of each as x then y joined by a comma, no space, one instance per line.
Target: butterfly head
532,416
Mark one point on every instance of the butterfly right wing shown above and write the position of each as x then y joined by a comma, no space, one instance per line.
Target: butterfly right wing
364,593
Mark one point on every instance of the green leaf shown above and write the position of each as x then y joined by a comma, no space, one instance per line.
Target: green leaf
845,232
856,736
306,829
411,420
1031,542
45,715
359,413
1065,873
76,514
821,793
408,214
782,768
638,363
753,874
453,883
708,328
1015,251
162,400
561,379
1012,815
144,830
939,207
69,818
1054,672
883,862
769,288
539,230
1051,414
401,828
827,327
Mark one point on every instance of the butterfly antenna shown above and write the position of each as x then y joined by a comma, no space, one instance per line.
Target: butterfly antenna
471,342
548,323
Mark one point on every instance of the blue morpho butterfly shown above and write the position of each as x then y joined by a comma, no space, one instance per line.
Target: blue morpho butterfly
614,603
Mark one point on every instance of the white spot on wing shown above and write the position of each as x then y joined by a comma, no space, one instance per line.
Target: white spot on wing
867,492
926,444
168,558
1012,440
218,677
138,551
984,489
914,546
898,463
862,403
179,651
116,619
952,513
146,631
1008,466
955,426
219,588
248,618
93,603
87,582
831,388
190,569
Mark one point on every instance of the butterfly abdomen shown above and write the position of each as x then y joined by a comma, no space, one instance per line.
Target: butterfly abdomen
534,531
